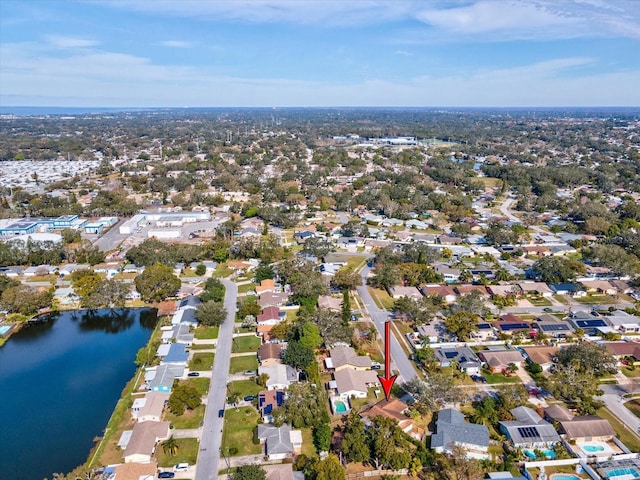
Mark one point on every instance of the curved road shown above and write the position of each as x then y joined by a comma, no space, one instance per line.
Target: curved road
399,359
211,441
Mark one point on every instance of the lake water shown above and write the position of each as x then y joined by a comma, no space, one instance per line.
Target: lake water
59,382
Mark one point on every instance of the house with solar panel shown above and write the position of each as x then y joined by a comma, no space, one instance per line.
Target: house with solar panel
466,359
552,326
589,322
529,430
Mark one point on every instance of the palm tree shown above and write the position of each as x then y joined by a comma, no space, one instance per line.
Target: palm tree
170,446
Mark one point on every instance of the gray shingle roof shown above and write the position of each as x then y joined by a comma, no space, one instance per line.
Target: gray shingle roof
452,428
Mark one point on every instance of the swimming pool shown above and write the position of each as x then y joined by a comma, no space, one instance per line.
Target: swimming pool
623,473
547,453
4,329
564,476
596,447
339,406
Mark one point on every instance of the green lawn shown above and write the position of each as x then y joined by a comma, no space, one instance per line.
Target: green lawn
624,434
308,448
201,361
630,373
595,299
222,271
246,344
381,297
206,333
200,384
248,287
561,299
244,388
238,434
539,301
187,452
500,378
189,419
202,346
634,406
240,364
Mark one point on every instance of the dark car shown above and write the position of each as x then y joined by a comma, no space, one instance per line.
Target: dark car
547,309
193,374
249,398
166,475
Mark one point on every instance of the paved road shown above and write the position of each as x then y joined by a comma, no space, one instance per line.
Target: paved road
400,361
211,440
110,240
613,399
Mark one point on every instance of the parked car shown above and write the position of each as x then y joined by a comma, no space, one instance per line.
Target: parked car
249,398
250,372
547,309
221,413
478,378
181,467
193,374
375,366
166,475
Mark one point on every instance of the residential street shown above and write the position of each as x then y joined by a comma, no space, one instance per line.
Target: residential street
613,399
211,441
399,359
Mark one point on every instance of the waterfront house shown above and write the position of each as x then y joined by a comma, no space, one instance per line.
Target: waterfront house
143,441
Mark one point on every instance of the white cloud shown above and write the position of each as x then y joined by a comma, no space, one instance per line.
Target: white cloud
404,53
177,44
62,41
95,78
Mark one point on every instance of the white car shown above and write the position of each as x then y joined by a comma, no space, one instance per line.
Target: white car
181,467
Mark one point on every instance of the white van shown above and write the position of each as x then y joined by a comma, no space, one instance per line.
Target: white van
181,467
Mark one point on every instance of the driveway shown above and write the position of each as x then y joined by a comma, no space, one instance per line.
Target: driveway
211,440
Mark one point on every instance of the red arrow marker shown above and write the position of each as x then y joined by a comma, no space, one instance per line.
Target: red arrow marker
387,381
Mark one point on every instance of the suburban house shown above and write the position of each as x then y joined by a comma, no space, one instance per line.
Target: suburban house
510,324
265,286
330,303
269,316
160,378
394,409
267,401
150,407
503,290
622,350
450,274
182,334
498,361
552,326
66,296
399,291
282,472
433,332
280,376
599,286
542,355
136,471
623,322
466,359
535,288
529,429
580,428
272,299
343,357
280,442
270,354
444,291
467,289
177,355
142,444
452,429
349,383
573,289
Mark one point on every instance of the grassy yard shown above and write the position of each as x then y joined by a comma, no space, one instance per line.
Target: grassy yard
561,299
624,434
381,297
206,333
627,372
595,299
240,364
201,361
238,435
244,388
222,271
247,287
539,301
43,278
308,448
202,346
634,406
200,384
499,378
189,419
187,453
246,344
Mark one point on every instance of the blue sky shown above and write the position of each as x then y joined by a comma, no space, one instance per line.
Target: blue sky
216,53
